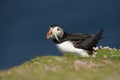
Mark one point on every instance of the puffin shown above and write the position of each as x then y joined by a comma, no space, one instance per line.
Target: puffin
76,43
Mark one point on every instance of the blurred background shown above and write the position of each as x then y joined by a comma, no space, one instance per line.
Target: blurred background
24,24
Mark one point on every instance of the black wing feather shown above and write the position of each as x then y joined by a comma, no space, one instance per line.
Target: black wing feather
81,40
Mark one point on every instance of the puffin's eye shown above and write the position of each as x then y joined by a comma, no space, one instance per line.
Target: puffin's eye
58,29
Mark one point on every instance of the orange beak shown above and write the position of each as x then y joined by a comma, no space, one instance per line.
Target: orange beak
48,34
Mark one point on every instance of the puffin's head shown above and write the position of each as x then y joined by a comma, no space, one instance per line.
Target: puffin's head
55,32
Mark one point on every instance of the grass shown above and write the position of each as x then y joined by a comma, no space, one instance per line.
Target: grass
105,65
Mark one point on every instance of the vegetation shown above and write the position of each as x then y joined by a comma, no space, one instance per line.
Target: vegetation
104,65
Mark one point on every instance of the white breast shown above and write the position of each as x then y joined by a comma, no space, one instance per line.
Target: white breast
67,47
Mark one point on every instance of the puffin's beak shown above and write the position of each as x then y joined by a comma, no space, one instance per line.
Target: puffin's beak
48,33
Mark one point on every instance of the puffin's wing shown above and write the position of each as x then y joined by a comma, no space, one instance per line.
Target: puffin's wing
82,40
86,41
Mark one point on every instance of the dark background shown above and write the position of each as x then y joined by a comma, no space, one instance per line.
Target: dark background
24,24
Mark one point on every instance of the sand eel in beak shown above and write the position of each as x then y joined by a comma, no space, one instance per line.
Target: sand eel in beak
77,43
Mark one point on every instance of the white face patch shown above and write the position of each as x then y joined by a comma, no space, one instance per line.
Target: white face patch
57,32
